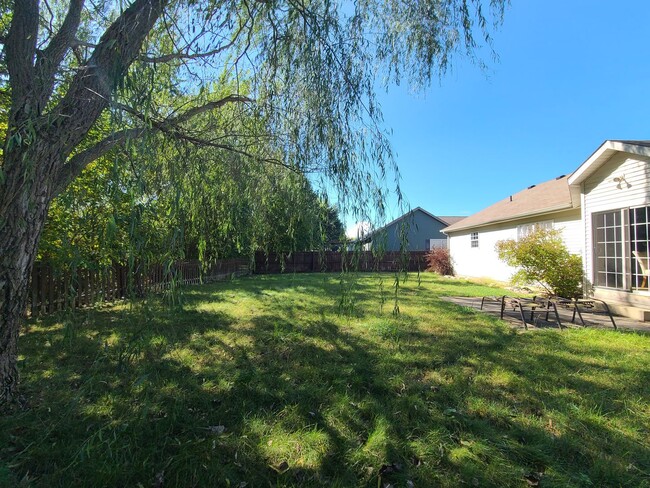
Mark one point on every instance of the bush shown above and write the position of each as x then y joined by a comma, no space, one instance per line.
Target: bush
543,258
439,261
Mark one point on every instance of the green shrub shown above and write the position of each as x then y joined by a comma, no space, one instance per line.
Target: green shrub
542,258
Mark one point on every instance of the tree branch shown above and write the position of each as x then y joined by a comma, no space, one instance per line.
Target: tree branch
79,43
169,126
92,87
195,141
20,48
76,164
170,122
49,59
193,112
184,56
170,57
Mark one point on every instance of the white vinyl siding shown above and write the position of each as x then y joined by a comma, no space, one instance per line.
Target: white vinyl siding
483,262
605,191
571,227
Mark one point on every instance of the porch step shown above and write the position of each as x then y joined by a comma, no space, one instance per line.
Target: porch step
635,313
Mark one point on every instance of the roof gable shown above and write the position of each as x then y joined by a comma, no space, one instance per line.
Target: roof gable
410,214
601,155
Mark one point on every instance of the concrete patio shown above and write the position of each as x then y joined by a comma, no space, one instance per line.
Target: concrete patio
513,317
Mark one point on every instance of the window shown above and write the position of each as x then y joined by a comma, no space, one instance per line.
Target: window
525,229
474,239
608,247
435,244
639,244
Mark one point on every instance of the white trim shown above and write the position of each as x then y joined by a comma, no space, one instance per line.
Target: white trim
602,155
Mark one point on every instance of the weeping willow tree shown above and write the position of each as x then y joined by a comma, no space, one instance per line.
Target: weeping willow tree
84,78
180,201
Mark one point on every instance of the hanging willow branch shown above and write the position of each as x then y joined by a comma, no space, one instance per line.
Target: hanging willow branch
305,71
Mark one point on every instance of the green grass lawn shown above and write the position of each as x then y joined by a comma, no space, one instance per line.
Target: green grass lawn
263,382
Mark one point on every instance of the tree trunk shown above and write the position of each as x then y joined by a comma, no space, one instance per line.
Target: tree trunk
37,144
21,223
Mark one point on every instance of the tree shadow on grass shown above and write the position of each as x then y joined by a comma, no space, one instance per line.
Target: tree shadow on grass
200,398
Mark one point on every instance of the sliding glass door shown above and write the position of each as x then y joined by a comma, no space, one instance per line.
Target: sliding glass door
621,244
608,246
639,221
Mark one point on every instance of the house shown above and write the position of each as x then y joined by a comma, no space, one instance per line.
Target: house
550,204
418,229
603,212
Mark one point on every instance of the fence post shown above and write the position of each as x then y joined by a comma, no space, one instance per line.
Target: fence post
34,290
42,288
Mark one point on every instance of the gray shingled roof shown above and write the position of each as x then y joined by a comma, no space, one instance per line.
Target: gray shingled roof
451,220
553,195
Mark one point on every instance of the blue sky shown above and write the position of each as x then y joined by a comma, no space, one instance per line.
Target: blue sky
570,75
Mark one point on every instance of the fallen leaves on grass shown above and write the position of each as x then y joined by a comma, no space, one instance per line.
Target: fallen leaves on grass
283,467
533,478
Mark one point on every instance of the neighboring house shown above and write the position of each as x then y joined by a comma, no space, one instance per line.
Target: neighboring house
418,229
603,212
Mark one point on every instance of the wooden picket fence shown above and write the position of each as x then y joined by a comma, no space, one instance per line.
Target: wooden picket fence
53,290
334,261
